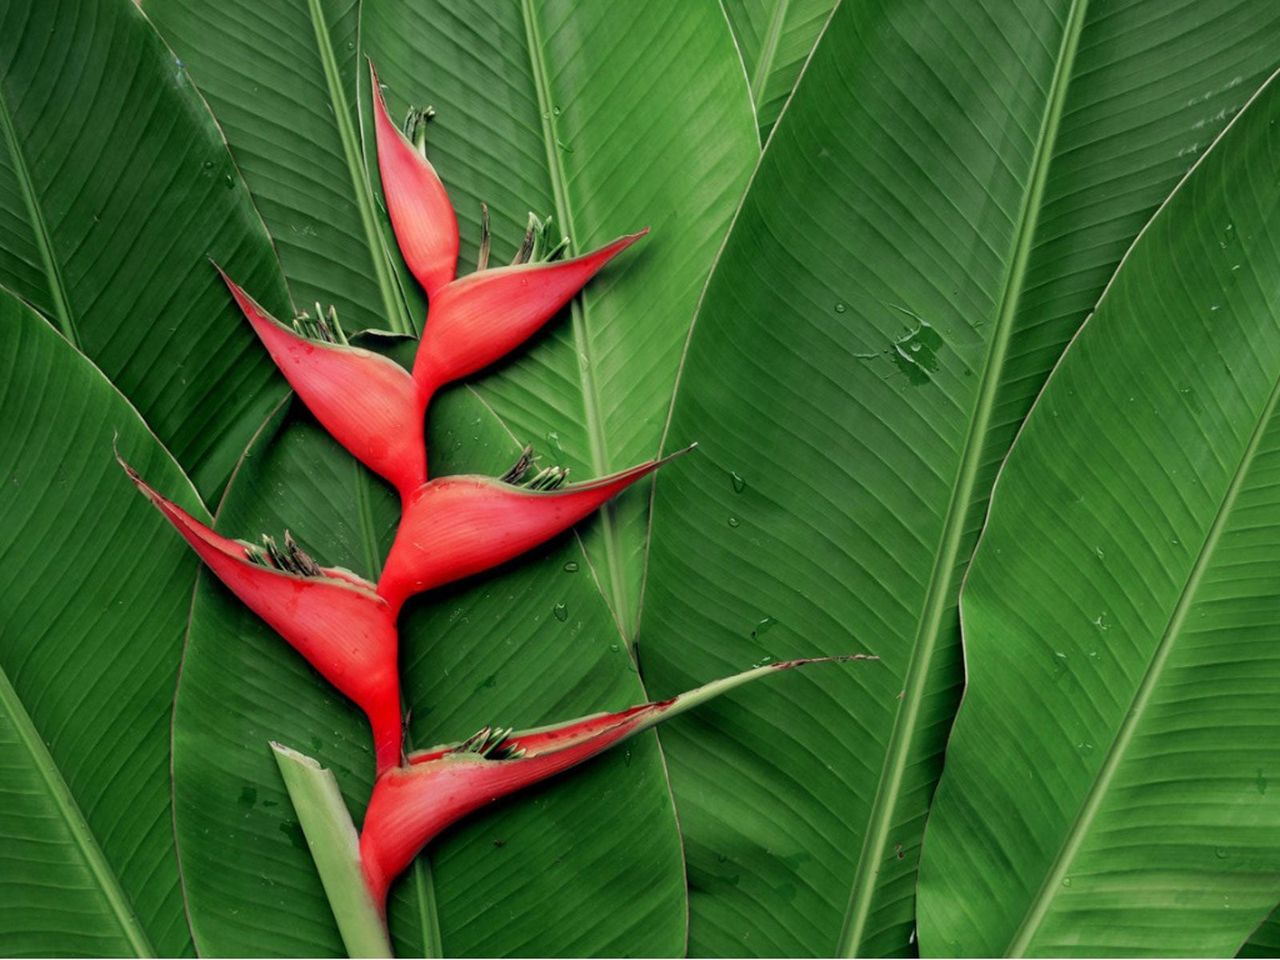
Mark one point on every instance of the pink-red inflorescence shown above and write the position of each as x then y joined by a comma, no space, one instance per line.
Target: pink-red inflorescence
451,527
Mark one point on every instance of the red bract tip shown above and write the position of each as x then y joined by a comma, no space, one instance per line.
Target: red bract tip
453,527
411,805
368,403
480,318
330,616
421,215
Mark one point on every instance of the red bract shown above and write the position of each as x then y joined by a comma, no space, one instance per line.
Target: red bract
332,617
423,219
453,527
368,403
480,318
411,805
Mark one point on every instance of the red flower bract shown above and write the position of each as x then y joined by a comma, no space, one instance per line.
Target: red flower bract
368,403
454,527
411,805
330,616
423,219
480,318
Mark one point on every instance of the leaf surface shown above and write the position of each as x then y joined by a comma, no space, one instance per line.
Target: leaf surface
1106,783
95,600
115,189
938,209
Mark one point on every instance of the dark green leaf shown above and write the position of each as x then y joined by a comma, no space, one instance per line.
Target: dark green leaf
115,189
936,212
1106,783
94,596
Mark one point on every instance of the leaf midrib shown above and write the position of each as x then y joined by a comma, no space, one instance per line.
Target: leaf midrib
768,51
39,228
596,440
396,314
107,881
939,593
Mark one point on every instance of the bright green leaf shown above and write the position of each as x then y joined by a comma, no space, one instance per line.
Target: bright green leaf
1106,782
938,209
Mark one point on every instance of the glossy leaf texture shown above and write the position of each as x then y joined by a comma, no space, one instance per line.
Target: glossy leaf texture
1106,782
95,601
775,38
281,77
937,210
115,188
589,864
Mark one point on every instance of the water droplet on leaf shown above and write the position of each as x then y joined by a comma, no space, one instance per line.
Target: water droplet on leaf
561,612
571,567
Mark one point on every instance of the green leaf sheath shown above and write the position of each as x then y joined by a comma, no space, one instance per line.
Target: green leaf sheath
1265,941
775,38
610,117
588,864
938,209
1106,789
94,596
115,189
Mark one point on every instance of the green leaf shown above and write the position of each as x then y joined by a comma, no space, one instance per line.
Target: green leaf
96,595
936,212
775,37
1265,941
115,189
281,78
588,864
1106,783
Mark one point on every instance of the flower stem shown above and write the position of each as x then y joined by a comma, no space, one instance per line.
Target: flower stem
335,847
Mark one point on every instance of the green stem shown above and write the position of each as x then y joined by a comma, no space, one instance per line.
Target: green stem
335,847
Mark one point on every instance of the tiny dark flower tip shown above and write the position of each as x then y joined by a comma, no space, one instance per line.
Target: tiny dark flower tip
486,239
368,403
454,527
411,805
331,616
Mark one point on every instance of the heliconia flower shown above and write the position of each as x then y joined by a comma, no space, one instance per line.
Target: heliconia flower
454,527
367,402
480,318
331,616
422,217
412,804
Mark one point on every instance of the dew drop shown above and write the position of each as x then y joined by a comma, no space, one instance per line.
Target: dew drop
733,521
840,308
556,111
571,567
613,648
763,661
561,612
1066,881
738,483
762,627
1221,853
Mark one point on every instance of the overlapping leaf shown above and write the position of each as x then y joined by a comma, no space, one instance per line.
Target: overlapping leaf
1106,783
939,207
115,188
94,599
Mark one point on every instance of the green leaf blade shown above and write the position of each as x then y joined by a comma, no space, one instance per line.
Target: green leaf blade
1134,608
95,605
904,270
117,187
